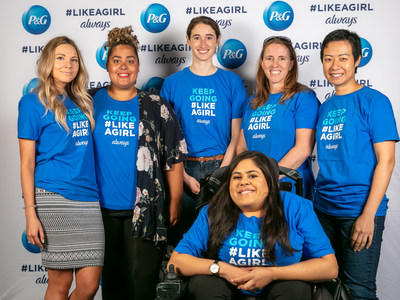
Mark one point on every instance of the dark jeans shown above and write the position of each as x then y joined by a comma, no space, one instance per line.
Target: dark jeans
206,287
356,269
197,170
131,265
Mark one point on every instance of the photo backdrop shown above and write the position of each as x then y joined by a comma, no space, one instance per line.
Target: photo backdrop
26,27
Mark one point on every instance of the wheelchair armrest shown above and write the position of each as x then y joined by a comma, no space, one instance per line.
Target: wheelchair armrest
294,175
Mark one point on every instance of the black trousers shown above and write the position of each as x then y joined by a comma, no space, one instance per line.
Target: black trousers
131,265
206,287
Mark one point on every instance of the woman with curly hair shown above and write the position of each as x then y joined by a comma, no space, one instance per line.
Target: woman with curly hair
58,181
138,145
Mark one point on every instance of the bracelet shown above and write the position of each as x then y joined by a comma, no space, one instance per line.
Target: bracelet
28,206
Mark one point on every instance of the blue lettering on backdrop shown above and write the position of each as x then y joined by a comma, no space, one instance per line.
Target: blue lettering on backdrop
211,10
341,7
163,59
94,12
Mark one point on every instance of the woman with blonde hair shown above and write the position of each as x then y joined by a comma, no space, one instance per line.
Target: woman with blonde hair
139,150
58,181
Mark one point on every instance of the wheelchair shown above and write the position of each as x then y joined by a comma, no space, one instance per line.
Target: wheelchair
172,286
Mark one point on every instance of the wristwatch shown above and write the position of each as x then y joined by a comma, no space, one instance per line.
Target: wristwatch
214,268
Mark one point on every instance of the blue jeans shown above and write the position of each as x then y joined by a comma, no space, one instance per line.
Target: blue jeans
356,269
197,170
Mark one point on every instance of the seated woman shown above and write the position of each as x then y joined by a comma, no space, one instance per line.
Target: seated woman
254,239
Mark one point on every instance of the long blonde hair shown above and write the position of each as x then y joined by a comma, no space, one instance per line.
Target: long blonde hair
292,86
76,89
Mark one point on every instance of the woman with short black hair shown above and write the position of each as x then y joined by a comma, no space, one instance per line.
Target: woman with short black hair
356,136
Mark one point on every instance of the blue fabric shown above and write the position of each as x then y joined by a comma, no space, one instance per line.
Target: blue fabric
271,129
244,246
357,269
64,161
205,107
115,145
348,127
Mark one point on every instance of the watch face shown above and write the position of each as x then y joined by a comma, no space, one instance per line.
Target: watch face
214,268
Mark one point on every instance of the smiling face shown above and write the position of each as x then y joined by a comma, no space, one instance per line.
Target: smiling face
65,66
276,64
339,67
123,67
248,188
203,41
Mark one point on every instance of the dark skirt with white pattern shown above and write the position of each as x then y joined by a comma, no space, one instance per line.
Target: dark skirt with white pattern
73,230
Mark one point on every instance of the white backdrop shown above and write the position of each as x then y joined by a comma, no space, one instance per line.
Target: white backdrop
25,29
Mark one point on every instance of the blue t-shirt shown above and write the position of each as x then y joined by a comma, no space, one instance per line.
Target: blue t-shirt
205,107
271,129
244,246
64,161
115,146
348,127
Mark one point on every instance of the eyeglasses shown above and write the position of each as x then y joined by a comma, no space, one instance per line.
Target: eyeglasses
281,38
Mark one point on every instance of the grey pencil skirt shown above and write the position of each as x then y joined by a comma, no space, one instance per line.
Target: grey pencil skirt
73,230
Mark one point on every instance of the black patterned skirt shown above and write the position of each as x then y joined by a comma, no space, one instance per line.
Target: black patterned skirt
73,230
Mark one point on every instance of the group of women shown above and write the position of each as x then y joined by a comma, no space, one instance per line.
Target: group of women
120,164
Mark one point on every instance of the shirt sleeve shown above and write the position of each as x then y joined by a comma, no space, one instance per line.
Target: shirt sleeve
301,214
239,101
307,107
194,242
29,118
381,120
165,91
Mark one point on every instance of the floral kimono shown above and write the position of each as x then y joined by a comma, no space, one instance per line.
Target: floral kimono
161,144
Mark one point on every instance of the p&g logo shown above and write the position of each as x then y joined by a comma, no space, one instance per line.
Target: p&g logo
153,86
28,246
30,86
36,19
101,56
278,16
232,54
366,53
155,18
